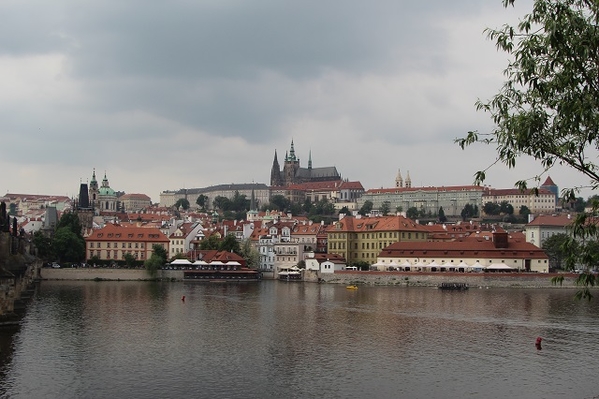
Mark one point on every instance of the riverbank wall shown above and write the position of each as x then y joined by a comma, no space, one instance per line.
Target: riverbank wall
411,279
420,279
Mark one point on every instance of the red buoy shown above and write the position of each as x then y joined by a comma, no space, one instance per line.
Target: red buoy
538,343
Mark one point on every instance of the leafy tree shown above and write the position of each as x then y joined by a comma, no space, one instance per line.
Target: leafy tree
506,208
130,260
361,265
239,203
322,207
68,246
555,250
212,242
524,211
71,221
160,251
307,205
182,203
412,213
94,260
548,106
279,202
469,211
250,254
222,203
491,208
578,204
399,209
44,245
366,208
442,217
345,210
153,264
385,207
202,201
296,209
229,244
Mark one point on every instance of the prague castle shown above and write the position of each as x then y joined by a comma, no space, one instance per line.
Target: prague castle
293,173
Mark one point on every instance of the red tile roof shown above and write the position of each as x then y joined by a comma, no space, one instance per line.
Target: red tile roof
116,233
555,220
481,247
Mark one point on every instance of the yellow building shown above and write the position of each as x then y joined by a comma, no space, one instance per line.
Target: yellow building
362,238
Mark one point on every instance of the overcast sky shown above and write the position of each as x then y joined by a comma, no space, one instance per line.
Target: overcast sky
166,95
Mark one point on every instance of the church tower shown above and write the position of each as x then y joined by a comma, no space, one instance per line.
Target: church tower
291,167
398,179
93,191
408,180
275,173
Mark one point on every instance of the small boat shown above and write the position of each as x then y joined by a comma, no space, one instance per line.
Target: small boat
352,287
453,286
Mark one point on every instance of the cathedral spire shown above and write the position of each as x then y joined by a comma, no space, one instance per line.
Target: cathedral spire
310,160
292,152
275,172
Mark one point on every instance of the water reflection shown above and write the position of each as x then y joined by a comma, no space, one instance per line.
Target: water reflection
275,339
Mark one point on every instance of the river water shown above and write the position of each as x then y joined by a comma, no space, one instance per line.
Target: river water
299,340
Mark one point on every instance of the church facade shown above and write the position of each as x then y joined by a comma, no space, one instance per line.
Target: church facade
292,173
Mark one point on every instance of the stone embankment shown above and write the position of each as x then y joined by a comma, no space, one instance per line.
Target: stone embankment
414,279
93,273
18,275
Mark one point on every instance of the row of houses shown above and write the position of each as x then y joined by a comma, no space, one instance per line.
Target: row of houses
284,241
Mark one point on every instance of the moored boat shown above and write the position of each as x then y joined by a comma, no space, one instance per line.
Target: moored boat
221,272
293,273
453,286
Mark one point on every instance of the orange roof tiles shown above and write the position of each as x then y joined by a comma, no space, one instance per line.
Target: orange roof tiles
116,233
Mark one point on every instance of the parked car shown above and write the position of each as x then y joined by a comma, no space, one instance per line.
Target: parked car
55,265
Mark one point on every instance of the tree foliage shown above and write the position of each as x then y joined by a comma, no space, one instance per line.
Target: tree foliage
548,106
71,221
385,208
491,208
160,251
43,244
555,250
412,213
251,255
229,244
279,202
442,217
366,208
469,211
202,201
68,246
182,203
211,242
